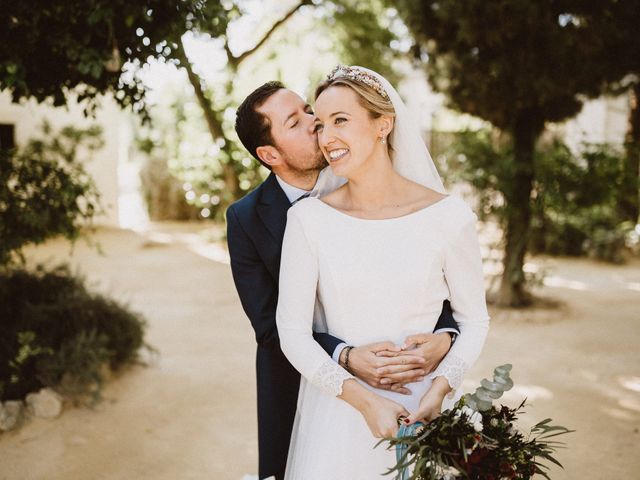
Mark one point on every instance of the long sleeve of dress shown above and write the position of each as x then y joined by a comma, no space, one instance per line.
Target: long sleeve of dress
465,279
294,314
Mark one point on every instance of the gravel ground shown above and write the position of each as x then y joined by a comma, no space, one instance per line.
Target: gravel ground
189,413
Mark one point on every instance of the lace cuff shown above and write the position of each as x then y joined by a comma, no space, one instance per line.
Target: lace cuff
452,368
329,378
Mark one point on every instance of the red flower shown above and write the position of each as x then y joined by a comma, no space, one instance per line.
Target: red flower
507,469
478,455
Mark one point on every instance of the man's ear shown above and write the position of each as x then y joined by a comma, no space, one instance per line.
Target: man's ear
269,155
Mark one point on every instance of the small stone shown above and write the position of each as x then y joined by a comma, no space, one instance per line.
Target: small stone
10,414
45,404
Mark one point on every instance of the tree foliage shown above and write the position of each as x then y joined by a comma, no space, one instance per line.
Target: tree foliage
50,49
517,64
363,33
616,23
574,197
45,191
498,59
620,29
575,209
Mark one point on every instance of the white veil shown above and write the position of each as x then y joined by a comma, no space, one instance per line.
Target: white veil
410,155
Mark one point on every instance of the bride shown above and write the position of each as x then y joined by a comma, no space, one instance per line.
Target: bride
378,256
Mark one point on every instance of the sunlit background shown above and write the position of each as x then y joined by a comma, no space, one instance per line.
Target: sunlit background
167,166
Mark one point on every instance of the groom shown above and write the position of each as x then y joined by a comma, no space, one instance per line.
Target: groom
277,127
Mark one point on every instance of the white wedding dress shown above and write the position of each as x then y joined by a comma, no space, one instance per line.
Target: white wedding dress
372,280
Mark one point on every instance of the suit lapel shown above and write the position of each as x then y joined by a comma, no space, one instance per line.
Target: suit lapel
272,208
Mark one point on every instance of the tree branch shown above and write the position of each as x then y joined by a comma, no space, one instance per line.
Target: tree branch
230,58
214,125
237,60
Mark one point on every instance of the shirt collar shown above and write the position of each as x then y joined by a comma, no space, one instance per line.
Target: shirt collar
327,182
294,193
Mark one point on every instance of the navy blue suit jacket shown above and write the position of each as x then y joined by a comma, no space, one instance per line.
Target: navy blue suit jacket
255,229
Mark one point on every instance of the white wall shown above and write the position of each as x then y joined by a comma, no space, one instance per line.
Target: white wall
27,118
603,120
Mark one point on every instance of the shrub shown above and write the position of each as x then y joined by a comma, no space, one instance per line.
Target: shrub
57,333
45,191
575,210
574,198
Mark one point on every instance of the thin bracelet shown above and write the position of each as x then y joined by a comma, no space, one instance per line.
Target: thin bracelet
346,358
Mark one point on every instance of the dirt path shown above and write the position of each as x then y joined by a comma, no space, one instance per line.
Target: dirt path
190,414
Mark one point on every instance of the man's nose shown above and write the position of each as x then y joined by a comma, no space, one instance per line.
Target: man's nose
311,123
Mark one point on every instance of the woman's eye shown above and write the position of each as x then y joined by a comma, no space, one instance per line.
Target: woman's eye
294,124
339,120
317,127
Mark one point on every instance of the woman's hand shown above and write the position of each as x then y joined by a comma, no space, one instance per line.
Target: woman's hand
431,402
381,415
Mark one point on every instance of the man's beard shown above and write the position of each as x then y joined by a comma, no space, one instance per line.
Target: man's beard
321,162
314,166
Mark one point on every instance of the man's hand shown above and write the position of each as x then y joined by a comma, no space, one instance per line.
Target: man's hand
385,365
432,347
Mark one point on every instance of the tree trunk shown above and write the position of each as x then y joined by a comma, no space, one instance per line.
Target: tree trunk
629,202
512,291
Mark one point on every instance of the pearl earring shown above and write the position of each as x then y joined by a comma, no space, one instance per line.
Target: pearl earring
383,140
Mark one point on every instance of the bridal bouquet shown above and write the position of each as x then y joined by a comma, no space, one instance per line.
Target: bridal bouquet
476,440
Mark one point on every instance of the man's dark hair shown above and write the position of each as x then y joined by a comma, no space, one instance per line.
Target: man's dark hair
254,128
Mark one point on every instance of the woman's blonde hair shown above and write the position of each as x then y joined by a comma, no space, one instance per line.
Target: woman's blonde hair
368,97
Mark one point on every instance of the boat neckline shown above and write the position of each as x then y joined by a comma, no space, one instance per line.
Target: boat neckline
411,214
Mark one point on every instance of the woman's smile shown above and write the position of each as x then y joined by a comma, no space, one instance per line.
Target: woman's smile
337,154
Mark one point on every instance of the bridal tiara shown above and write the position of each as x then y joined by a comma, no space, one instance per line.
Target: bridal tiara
354,73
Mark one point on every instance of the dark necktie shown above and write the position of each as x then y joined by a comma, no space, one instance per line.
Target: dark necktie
301,197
